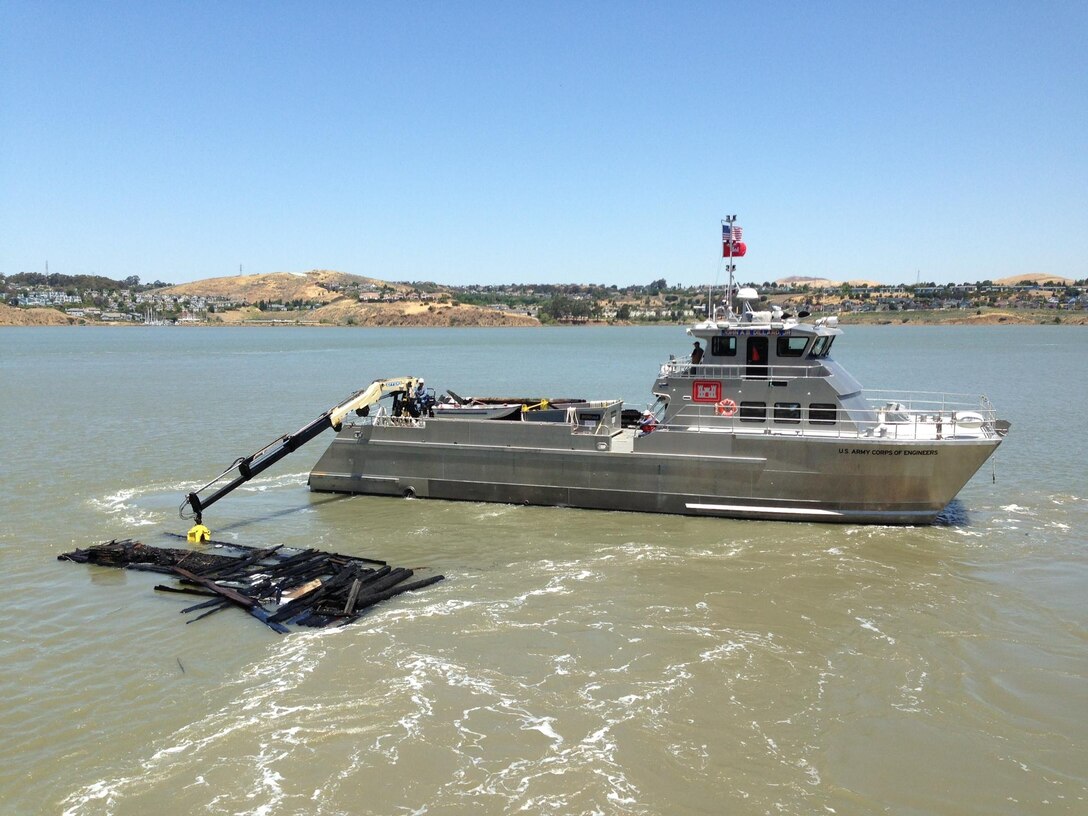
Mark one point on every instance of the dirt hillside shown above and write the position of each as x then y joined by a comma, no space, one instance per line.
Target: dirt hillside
11,316
277,286
348,312
824,283
1039,277
800,280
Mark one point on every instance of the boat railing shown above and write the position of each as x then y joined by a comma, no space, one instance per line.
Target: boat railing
914,416
384,419
923,402
684,369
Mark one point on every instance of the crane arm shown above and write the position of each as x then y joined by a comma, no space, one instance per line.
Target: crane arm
248,467
368,396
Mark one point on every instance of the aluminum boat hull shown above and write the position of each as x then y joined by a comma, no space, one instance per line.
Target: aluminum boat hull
696,473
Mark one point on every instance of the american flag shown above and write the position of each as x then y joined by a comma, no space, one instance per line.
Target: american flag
730,232
736,232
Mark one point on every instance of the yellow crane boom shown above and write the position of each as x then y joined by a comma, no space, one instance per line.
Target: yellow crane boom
249,466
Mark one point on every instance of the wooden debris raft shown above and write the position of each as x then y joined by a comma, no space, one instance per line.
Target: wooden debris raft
278,587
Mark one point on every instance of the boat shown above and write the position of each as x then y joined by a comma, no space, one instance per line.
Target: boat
452,405
761,422
473,409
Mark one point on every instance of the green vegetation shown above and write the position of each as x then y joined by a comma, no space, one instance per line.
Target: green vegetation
78,282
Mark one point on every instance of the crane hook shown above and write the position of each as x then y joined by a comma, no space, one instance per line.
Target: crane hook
198,532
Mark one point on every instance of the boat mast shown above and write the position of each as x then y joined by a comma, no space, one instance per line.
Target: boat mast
727,241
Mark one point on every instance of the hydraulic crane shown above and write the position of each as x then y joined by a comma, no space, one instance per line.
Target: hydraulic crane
250,466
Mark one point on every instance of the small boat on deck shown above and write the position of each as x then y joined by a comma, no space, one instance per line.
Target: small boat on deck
453,406
452,409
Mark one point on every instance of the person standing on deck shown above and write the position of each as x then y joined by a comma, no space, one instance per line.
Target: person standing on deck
696,356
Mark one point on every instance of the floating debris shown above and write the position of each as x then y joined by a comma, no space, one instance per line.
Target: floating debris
304,588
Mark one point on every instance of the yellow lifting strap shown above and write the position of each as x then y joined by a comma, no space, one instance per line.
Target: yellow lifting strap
199,533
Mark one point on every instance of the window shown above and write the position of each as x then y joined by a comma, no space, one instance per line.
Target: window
756,367
822,413
787,412
791,346
822,346
723,346
753,412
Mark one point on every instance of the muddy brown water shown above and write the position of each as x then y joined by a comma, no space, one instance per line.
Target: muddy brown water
573,661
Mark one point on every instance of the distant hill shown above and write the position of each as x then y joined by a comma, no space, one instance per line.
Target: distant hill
337,294
408,313
801,280
318,285
822,283
58,281
10,316
1038,277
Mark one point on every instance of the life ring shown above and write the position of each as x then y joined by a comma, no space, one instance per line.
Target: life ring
725,408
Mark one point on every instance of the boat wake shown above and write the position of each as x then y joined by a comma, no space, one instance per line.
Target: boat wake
156,502
190,758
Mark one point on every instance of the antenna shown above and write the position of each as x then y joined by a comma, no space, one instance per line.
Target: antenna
727,229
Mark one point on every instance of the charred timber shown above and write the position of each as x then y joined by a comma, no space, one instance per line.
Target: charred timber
321,588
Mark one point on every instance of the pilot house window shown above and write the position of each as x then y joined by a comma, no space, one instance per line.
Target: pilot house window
821,413
821,346
791,346
723,346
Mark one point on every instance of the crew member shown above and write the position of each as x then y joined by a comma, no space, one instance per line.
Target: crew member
696,354
647,423
424,405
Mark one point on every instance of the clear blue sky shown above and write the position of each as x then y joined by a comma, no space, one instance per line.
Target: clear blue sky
492,142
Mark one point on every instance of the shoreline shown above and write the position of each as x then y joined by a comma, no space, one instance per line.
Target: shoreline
1034,319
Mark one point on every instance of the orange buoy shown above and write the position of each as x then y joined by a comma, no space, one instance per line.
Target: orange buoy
725,408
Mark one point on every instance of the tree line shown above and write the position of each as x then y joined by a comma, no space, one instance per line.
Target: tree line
82,282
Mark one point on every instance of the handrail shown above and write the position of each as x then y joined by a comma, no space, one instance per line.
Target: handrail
738,371
923,401
901,415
